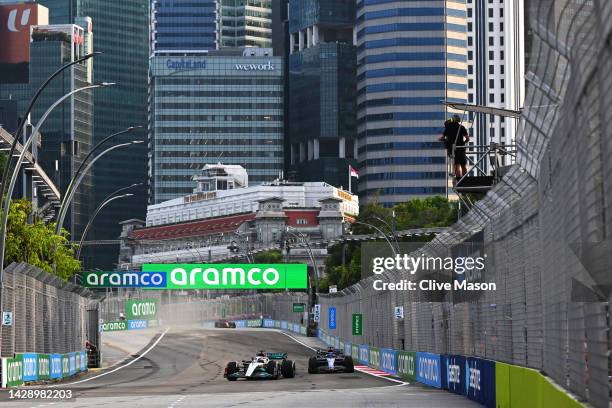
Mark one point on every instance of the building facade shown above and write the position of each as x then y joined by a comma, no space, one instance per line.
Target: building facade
244,23
124,62
322,82
411,56
67,134
227,106
224,211
183,26
496,66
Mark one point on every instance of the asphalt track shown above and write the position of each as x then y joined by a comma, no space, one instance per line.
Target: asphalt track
185,369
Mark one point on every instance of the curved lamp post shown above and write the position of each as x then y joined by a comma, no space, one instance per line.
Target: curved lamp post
71,185
26,147
24,118
381,232
64,209
390,228
93,217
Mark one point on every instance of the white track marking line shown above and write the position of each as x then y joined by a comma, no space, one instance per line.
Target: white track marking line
117,368
358,369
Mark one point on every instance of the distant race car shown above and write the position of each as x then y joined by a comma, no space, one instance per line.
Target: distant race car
225,324
267,366
330,361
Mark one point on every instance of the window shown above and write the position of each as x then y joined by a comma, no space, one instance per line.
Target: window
490,13
491,41
491,55
470,41
471,98
491,27
492,69
501,55
470,55
492,83
469,26
492,98
301,221
502,69
470,83
470,69
503,83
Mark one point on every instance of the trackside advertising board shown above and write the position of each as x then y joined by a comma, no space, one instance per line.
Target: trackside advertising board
481,381
429,369
456,374
203,276
406,365
141,309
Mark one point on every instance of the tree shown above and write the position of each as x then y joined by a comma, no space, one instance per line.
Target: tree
37,243
429,212
273,256
367,214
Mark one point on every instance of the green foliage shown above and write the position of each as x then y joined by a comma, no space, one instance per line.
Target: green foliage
273,256
37,244
429,212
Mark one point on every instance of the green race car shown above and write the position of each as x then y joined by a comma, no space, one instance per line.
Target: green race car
265,366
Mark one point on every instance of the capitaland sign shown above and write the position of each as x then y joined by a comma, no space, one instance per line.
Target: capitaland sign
185,64
256,67
204,276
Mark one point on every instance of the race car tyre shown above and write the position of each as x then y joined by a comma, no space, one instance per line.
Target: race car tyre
217,325
313,366
272,369
288,369
231,368
349,367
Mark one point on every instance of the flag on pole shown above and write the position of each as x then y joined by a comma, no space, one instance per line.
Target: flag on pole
353,171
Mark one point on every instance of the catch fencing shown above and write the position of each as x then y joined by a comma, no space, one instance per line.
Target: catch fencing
48,315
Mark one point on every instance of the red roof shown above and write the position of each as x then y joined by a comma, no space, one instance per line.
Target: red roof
193,229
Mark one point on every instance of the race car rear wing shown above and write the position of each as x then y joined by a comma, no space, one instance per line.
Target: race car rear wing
276,356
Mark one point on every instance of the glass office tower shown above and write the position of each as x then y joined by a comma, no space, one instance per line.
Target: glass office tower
322,82
244,23
121,30
223,108
409,59
183,26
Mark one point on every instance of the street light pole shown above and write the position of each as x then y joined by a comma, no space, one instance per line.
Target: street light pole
107,201
84,162
24,118
391,228
381,232
26,147
70,195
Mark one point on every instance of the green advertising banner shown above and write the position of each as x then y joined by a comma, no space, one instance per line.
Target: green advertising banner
141,309
12,372
65,365
357,324
406,365
298,308
114,326
44,366
374,358
254,323
355,352
231,276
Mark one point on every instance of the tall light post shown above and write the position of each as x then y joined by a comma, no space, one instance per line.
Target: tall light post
26,147
391,228
70,195
24,118
103,204
381,232
72,185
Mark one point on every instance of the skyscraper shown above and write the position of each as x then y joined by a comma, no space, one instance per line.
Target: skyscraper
183,26
496,66
410,57
224,107
322,81
121,30
244,23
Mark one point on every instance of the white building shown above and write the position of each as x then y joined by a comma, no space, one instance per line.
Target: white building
496,65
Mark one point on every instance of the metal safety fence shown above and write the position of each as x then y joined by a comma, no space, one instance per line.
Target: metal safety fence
41,313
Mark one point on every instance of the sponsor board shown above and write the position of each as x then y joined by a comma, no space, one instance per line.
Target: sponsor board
83,366
137,324
284,325
455,374
277,324
357,324
331,312
317,313
429,369
364,354
12,372
124,279
374,358
268,323
72,364
388,361
30,366
348,348
480,381
303,330
299,307
355,352
65,365
153,323
406,365
241,324
44,366
230,276
56,366
113,326
141,309
253,323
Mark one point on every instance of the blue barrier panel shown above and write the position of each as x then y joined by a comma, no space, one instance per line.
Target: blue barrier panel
388,361
364,354
296,328
481,381
455,374
284,325
83,366
336,343
340,345
30,366
347,348
332,317
268,323
137,324
241,323
72,362
55,370
277,324
429,369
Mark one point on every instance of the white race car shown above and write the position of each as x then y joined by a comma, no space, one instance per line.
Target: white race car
262,366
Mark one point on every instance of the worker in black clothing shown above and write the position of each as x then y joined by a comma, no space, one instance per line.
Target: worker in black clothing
456,136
